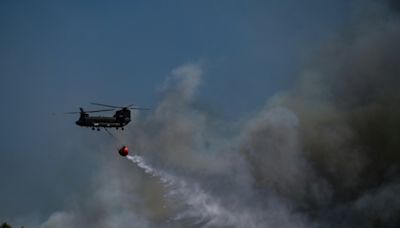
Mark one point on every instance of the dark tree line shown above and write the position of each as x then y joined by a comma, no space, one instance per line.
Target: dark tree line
5,225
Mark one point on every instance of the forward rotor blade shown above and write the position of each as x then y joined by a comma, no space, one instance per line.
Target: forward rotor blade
111,106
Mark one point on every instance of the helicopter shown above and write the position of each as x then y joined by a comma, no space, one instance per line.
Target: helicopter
121,118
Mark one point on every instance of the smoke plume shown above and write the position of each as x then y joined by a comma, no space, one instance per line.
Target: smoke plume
324,154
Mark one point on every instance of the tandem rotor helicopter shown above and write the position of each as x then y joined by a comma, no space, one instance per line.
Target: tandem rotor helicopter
120,119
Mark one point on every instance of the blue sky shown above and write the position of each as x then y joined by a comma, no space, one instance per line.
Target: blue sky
56,56
108,51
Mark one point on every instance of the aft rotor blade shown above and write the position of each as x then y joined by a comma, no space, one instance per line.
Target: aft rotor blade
129,106
139,108
102,110
111,106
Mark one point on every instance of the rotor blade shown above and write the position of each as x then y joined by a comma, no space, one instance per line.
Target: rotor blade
139,108
111,106
136,107
102,110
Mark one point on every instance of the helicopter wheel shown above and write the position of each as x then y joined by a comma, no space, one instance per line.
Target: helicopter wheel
98,129
93,128
122,128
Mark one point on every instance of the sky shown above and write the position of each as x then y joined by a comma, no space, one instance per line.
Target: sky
57,56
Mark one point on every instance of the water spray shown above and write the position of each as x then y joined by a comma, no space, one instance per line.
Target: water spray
205,208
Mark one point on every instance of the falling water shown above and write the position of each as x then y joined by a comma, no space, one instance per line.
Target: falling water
203,207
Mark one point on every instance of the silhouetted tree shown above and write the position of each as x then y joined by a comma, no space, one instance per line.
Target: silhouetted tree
5,225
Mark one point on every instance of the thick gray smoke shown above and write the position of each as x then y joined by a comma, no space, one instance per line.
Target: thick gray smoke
347,105
109,203
325,154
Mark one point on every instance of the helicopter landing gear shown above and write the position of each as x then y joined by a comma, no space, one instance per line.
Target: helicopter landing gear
98,129
93,128
122,128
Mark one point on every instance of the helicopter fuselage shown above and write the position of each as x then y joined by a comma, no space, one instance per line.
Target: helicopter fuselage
120,119
100,121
